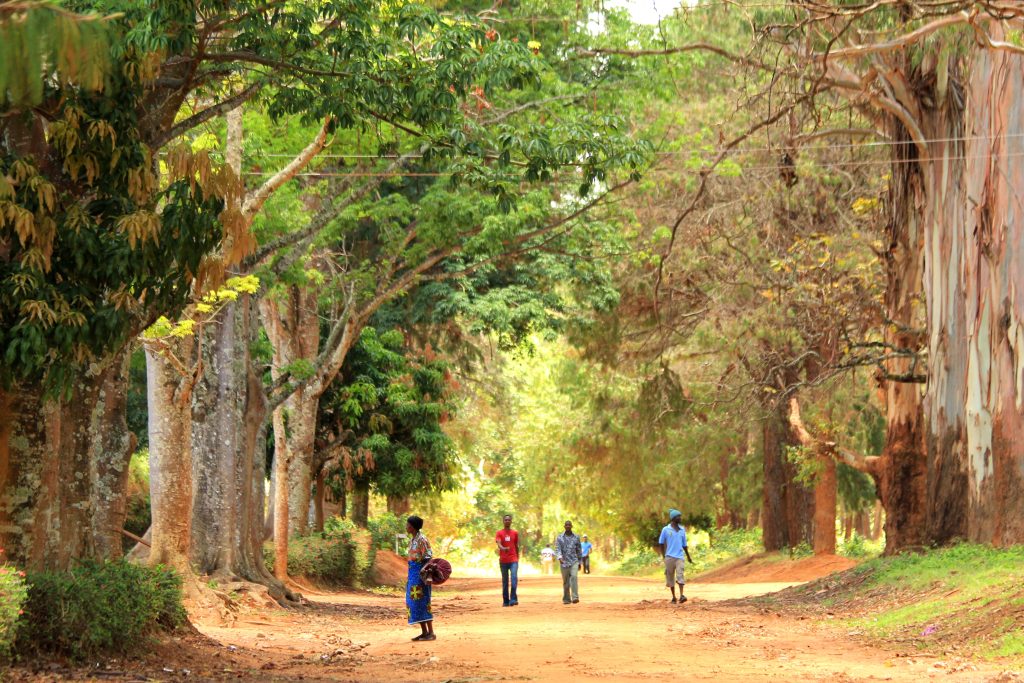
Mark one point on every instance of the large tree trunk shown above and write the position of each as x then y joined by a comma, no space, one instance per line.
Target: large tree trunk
399,505
64,469
825,495
293,327
361,505
788,511
775,531
228,436
169,395
974,286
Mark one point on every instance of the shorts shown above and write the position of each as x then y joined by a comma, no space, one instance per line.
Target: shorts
674,570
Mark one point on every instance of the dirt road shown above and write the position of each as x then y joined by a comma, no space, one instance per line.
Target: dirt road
622,630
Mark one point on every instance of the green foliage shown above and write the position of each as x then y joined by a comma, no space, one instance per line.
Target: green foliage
392,401
138,516
336,557
383,528
639,560
13,593
859,548
98,608
725,546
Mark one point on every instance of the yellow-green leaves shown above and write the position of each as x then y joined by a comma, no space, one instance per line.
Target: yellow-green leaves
204,309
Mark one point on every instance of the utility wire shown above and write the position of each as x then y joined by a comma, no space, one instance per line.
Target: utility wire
738,150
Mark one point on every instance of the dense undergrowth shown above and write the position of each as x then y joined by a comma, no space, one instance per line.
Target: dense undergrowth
96,607
967,599
340,555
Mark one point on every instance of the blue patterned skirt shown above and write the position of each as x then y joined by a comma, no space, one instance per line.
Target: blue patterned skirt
417,595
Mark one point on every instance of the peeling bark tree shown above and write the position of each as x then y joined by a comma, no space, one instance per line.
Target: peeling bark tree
974,285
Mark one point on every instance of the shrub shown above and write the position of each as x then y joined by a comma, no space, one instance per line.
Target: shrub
98,607
383,528
338,556
640,560
13,591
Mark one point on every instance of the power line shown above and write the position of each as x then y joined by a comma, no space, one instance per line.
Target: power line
776,148
763,167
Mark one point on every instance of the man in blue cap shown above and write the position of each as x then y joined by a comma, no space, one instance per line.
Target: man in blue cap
672,544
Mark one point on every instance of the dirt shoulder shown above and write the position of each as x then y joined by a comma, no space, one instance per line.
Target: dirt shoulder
624,629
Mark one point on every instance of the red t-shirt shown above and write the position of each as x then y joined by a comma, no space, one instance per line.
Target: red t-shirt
509,539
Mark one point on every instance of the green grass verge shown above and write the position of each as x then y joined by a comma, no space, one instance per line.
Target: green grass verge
965,598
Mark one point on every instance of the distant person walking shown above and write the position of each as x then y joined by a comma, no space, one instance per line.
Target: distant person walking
417,593
570,557
672,544
507,540
586,547
547,560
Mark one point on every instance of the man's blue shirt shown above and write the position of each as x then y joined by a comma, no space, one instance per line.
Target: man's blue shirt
586,546
674,541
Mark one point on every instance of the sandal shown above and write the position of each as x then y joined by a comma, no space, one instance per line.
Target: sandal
429,636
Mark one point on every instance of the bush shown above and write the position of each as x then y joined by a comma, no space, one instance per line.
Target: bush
98,607
383,528
640,560
859,547
13,591
338,556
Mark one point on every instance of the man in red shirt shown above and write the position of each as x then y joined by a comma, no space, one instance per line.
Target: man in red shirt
508,557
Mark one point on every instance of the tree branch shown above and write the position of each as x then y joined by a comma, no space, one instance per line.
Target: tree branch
206,114
255,200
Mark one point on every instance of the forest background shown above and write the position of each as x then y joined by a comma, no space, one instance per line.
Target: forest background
267,266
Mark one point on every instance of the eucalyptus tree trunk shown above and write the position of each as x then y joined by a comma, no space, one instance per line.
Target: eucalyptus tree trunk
229,414
64,469
974,286
902,472
293,327
169,396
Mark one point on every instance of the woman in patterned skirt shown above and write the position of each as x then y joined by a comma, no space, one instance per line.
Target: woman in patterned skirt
417,593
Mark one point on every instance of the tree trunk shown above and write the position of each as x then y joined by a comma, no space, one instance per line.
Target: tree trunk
825,494
64,469
318,502
228,436
876,524
974,230
361,505
293,328
862,524
775,531
901,473
788,511
399,505
168,394
825,487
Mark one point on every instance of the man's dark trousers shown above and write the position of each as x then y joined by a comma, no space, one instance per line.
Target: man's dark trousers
508,597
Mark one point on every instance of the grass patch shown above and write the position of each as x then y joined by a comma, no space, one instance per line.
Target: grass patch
967,599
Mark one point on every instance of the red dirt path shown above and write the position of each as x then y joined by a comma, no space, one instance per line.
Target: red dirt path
624,629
